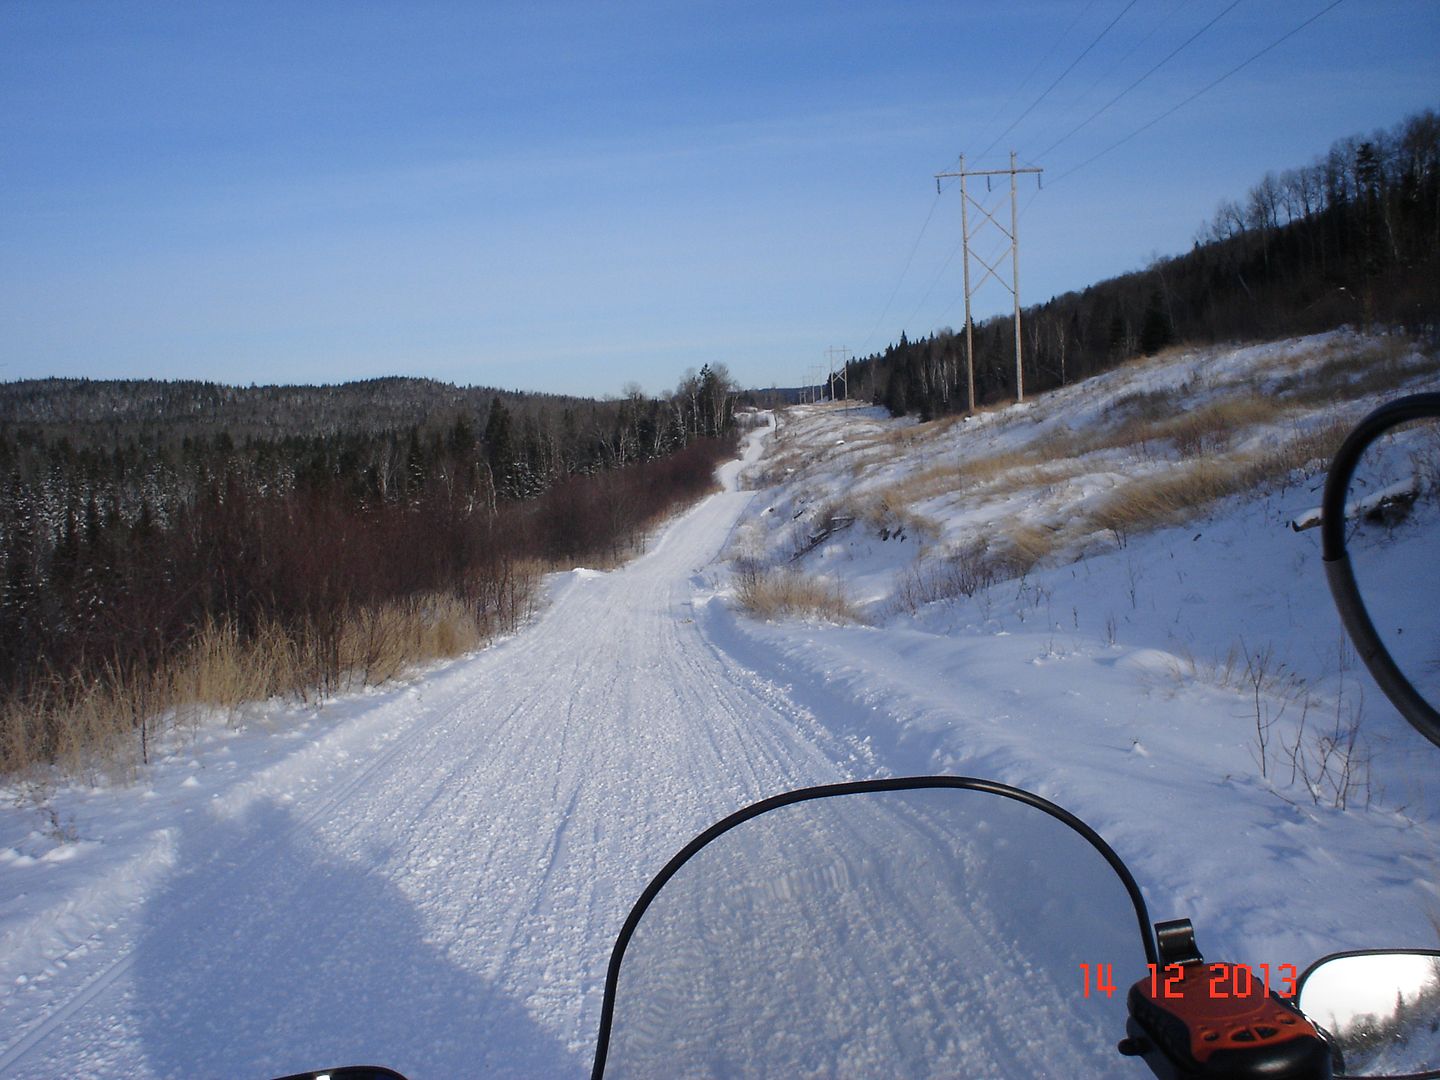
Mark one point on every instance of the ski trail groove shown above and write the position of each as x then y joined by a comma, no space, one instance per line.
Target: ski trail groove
95,983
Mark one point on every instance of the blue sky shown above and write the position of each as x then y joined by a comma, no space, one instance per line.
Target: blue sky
573,196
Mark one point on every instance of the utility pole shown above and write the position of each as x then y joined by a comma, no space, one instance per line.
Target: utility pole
833,354
1013,235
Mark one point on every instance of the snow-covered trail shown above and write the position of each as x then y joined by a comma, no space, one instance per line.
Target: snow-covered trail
435,886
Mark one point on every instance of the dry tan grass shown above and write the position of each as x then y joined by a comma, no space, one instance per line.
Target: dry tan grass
1035,477
1160,426
770,593
1346,370
1307,449
112,722
1211,428
1180,493
878,449
1029,544
955,476
1157,499
1151,417
779,467
221,671
883,518
1142,406
1202,438
1165,357
77,725
1170,496
887,447
379,645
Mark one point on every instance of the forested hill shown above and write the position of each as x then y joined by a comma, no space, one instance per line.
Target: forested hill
148,527
1351,239
75,439
101,409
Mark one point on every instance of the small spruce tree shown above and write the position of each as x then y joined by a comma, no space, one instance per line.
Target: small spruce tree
1156,331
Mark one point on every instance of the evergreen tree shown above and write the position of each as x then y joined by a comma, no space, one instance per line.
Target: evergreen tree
500,449
1156,331
895,398
1115,339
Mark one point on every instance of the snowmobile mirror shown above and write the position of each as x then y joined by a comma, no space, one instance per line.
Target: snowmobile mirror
1380,1010
1378,523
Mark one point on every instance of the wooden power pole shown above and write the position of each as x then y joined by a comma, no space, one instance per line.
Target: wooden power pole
1013,235
833,354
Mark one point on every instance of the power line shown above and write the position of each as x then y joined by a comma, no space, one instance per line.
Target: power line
948,183
1084,53
1054,45
1170,56
1173,109
1204,89
935,281
1165,19
945,185
940,273
1138,131
993,256
904,270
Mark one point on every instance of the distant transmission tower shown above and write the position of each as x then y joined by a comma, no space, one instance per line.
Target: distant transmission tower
1013,235
812,385
834,354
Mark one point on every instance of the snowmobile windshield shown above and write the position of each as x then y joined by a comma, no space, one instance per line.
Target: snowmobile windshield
929,927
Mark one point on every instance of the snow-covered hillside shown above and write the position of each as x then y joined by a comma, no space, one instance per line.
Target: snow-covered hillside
430,875
1112,668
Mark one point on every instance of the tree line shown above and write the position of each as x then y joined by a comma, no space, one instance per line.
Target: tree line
1350,239
136,516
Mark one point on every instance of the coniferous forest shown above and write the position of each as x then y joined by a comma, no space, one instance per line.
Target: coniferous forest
172,544
1351,239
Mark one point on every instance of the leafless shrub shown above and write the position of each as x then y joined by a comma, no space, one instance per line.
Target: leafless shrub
959,573
1333,762
1273,689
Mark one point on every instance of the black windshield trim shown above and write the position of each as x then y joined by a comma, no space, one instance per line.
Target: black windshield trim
825,791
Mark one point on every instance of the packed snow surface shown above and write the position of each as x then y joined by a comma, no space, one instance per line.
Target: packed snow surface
431,875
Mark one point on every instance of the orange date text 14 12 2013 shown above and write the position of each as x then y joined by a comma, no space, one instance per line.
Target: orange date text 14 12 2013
1226,980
